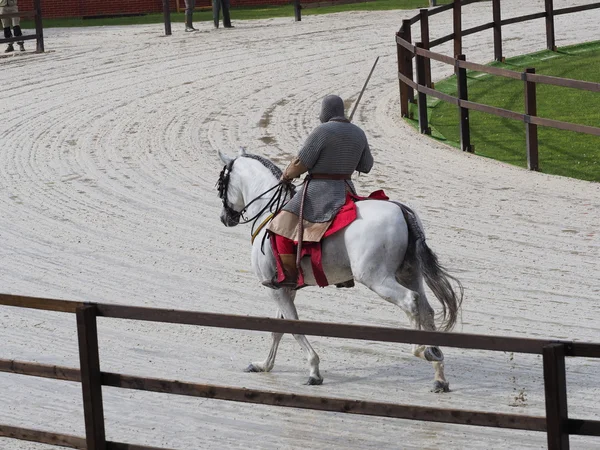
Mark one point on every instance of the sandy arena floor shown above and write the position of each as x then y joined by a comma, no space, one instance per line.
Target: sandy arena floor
107,171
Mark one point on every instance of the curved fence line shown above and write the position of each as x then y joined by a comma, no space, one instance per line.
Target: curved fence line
556,424
424,86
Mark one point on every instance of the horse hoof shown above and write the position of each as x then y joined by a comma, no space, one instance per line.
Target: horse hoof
441,386
312,381
433,354
252,368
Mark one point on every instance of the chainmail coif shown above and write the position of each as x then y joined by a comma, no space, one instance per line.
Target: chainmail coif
332,106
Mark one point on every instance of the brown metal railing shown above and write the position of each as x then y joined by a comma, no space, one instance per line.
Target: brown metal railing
423,85
556,424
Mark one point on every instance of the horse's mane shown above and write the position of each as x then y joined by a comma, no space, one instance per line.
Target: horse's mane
276,171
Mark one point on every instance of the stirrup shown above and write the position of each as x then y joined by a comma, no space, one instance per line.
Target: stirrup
274,284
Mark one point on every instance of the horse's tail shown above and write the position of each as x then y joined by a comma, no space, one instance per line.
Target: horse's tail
436,276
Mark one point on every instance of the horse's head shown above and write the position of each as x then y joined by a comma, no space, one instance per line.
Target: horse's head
230,193
248,187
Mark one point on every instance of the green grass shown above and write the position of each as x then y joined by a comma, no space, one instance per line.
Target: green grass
242,13
564,153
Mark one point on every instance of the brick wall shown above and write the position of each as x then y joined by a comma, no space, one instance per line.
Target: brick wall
90,8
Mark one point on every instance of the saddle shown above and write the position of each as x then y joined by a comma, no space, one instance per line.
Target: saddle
345,216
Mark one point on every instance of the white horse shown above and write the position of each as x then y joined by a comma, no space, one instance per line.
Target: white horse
384,249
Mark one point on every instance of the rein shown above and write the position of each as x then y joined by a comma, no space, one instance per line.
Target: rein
261,226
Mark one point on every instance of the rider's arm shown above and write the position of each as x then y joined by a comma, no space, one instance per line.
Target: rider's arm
293,170
366,160
307,156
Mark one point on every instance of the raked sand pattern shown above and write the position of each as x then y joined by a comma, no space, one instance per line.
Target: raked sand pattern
108,161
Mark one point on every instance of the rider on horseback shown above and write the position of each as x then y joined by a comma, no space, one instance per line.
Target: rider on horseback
331,153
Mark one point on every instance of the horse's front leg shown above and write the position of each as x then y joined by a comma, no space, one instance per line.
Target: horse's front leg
285,302
267,364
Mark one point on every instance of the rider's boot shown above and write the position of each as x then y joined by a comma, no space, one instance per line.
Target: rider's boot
290,271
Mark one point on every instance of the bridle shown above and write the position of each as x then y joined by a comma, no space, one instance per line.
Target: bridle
274,205
222,187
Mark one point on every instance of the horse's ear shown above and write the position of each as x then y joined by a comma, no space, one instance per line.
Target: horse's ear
226,159
242,151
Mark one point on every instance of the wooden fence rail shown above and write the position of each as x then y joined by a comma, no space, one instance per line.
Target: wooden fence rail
422,54
39,30
556,424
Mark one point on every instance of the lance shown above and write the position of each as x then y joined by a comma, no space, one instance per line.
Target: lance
363,90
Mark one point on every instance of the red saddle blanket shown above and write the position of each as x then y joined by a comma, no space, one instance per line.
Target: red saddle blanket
345,216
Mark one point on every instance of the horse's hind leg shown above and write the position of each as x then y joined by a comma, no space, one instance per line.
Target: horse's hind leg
425,320
432,354
392,291
285,302
414,304
267,364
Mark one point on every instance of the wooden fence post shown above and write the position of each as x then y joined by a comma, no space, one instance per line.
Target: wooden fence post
424,21
297,11
550,41
421,97
457,27
531,135
408,60
167,17
497,15
402,70
463,113
39,29
91,377
555,386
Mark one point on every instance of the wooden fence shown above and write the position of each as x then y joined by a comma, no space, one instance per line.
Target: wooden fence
407,51
39,31
556,423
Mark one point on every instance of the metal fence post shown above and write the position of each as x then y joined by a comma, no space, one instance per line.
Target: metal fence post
463,113
91,383
297,11
457,27
39,29
421,97
550,41
424,21
167,17
555,386
497,15
531,134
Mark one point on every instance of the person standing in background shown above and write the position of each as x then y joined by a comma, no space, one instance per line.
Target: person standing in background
189,11
7,7
216,7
